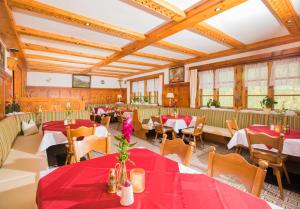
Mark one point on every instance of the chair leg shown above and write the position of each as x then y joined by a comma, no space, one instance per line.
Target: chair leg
286,173
67,159
88,155
183,136
201,140
278,177
156,136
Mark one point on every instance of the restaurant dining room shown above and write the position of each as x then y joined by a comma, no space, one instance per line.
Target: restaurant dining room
150,104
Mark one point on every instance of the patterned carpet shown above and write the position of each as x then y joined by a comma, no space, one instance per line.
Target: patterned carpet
199,162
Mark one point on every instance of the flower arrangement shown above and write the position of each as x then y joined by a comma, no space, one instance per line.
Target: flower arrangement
146,99
213,103
135,99
12,106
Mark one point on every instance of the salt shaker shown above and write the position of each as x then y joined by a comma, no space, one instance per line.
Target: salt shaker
127,197
112,181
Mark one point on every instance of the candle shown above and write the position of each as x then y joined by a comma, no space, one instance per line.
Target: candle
137,177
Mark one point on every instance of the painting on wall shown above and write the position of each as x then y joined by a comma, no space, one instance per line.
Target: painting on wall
81,81
2,56
176,74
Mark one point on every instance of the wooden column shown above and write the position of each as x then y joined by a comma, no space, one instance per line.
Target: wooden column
238,90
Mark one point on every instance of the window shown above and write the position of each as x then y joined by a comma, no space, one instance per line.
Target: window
256,82
152,90
206,85
285,79
224,83
138,89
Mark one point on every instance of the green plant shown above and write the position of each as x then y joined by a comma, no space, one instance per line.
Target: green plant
123,147
12,107
267,102
146,99
212,102
135,99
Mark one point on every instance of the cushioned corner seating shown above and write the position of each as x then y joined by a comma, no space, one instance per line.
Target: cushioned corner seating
21,165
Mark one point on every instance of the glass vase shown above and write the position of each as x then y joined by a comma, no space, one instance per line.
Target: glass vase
121,176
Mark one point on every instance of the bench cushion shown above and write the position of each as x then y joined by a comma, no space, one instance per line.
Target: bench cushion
216,130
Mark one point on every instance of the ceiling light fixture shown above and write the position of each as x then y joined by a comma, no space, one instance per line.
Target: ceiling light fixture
289,21
218,9
87,24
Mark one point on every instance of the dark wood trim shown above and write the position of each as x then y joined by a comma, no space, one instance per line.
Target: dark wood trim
281,54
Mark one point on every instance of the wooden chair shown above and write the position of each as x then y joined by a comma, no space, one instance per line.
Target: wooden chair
139,130
196,132
232,127
79,132
276,159
105,121
177,146
120,119
91,143
233,164
159,127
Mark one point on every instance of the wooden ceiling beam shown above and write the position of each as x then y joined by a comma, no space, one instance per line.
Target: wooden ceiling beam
108,71
138,63
178,48
200,12
8,33
255,46
125,67
37,69
162,7
85,22
68,39
285,13
42,57
216,35
47,64
37,47
73,40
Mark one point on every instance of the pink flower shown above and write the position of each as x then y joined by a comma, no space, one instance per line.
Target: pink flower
127,128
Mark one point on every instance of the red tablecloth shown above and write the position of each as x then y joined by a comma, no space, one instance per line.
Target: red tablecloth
59,125
187,119
294,134
83,186
105,109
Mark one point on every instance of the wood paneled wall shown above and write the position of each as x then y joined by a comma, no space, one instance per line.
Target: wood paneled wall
5,91
93,95
181,93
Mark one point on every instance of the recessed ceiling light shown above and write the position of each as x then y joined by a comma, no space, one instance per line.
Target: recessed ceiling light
87,24
289,21
218,9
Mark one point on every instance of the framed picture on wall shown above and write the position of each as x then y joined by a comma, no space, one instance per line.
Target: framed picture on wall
81,81
176,74
2,56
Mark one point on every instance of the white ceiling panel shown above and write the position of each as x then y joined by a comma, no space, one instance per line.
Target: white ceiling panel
296,4
115,12
164,52
64,46
148,60
249,22
195,41
116,69
33,20
183,4
59,63
63,56
130,65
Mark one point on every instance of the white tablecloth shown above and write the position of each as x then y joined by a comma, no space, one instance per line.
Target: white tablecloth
51,138
176,123
290,146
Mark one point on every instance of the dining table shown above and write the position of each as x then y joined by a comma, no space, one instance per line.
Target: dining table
54,132
168,185
177,123
291,142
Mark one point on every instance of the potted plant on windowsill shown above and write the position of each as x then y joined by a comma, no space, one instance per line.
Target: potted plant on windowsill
213,104
135,100
267,104
146,100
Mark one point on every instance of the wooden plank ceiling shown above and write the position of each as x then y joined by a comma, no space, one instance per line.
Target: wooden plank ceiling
130,37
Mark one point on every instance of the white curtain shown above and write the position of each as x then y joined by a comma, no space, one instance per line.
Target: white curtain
256,74
224,77
135,87
159,89
206,79
193,88
150,85
128,92
285,72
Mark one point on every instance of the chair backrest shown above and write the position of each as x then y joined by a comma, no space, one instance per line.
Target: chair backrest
200,121
91,143
233,164
270,142
105,121
157,123
232,126
136,123
177,146
79,132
